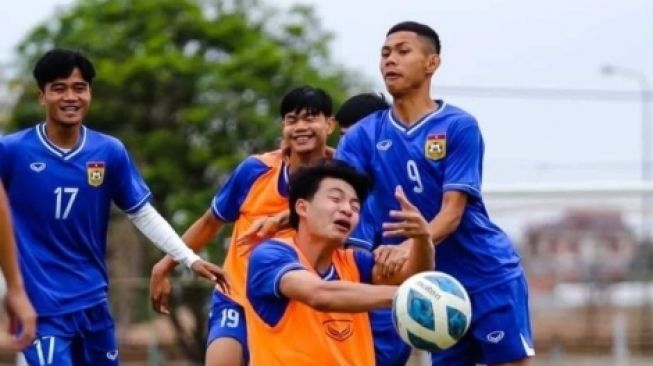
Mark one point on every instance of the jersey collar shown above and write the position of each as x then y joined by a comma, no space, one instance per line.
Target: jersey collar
330,274
284,179
409,130
54,149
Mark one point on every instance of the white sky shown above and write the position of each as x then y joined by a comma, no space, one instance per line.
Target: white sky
501,43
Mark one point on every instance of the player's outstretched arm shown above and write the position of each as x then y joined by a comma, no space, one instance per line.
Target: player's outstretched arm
196,237
18,305
161,234
421,253
334,296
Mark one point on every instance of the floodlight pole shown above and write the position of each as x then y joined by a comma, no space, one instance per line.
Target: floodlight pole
646,170
646,128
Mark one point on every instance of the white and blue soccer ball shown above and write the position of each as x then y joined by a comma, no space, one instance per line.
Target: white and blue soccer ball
431,311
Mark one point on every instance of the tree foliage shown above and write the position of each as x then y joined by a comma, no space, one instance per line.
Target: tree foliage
190,86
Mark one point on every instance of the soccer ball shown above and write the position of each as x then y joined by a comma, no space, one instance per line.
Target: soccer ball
431,311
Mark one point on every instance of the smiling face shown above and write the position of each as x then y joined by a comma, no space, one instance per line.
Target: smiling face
407,62
306,133
66,100
332,212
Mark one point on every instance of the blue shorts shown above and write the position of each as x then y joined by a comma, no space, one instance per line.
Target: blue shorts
500,331
227,320
389,349
85,337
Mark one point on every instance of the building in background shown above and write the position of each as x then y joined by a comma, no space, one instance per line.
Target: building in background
583,245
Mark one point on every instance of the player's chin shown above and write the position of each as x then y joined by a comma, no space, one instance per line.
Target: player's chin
303,148
69,119
394,87
338,233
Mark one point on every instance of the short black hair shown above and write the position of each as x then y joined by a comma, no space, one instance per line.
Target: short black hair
422,30
306,181
59,63
313,100
360,106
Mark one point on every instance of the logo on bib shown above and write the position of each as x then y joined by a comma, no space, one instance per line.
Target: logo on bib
339,330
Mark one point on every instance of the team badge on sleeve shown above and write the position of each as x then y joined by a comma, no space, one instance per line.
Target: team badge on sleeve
435,147
95,173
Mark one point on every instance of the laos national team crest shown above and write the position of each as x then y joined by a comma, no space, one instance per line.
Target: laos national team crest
95,173
435,147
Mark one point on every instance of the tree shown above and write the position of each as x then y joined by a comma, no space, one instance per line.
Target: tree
191,87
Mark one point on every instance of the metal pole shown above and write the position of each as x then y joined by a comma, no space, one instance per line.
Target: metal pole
646,171
646,159
647,133
645,330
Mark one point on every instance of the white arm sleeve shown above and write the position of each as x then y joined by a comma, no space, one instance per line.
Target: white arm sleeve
158,230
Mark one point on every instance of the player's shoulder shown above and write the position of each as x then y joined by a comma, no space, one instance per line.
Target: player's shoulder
255,165
370,122
272,249
458,117
457,114
19,137
269,159
100,138
367,128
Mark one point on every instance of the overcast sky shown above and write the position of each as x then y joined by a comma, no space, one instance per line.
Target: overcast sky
510,43
558,44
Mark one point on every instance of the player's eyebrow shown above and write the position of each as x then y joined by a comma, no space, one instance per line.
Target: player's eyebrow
394,45
342,193
63,83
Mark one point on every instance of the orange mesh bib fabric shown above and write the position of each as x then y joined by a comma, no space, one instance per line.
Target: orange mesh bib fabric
305,336
262,200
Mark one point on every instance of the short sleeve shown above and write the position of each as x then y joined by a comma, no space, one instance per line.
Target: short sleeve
365,263
268,263
227,201
130,192
464,159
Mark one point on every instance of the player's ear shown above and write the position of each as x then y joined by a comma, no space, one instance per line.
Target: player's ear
301,207
331,124
432,63
41,97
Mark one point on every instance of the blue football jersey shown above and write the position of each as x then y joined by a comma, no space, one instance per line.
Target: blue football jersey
441,152
61,202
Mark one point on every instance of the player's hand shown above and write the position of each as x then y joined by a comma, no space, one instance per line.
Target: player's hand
160,289
390,258
21,313
211,272
409,221
329,153
262,228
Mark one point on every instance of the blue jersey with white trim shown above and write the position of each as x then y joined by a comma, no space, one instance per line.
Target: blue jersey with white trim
441,152
61,202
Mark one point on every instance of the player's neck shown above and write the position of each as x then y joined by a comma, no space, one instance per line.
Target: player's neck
64,136
297,161
411,108
317,250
